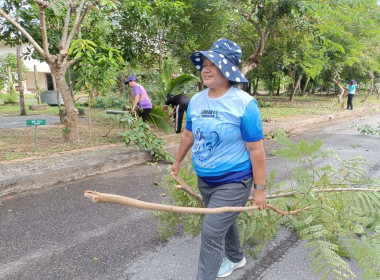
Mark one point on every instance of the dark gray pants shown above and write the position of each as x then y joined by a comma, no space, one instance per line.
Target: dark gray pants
349,101
220,234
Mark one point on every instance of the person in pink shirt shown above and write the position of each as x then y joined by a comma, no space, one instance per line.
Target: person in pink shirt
140,98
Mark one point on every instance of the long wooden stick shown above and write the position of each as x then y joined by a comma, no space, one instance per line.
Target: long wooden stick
127,201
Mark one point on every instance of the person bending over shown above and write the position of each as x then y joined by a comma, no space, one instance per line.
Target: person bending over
179,103
140,97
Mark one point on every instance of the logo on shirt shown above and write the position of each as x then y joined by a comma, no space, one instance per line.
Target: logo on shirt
205,148
209,114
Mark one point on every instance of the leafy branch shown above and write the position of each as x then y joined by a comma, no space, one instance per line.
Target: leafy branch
368,129
140,132
343,222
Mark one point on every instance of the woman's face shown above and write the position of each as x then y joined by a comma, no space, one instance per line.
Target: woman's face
211,75
131,83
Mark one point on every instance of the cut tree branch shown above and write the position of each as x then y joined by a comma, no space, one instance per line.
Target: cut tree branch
188,189
127,201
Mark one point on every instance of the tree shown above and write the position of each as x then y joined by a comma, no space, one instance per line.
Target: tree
9,61
264,17
346,30
97,68
68,18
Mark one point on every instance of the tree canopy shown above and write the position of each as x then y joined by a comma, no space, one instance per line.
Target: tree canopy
286,44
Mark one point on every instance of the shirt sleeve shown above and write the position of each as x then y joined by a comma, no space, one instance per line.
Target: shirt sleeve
189,123
251,124
136,90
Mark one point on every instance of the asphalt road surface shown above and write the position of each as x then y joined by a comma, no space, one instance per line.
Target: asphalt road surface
56,233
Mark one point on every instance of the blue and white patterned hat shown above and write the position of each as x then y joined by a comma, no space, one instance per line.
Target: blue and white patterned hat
226,55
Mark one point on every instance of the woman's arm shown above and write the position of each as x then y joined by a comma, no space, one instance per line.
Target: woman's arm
135,102
187,141
257,155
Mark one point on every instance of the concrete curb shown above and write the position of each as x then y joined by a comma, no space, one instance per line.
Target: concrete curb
57,169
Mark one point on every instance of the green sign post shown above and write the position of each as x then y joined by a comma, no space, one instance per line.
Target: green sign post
36,123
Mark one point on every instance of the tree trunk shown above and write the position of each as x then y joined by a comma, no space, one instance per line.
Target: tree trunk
305,86
295,87
71,132
256,87
121,87
20,84
336,80
372,88
38,94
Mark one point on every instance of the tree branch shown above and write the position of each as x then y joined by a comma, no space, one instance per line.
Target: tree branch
78,21
71,62
287,194
42,5
127,201
185,187
66,26
23,31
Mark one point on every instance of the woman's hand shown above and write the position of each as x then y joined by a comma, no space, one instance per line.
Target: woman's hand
175,167
260,199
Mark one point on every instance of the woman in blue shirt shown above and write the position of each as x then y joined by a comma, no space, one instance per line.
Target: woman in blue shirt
351,94
224,130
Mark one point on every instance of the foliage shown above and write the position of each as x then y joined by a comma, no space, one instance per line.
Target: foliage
368,129
141,134
108,101
11,98
264,104
159,119
9,61
167,220
167,83
339,224
97,66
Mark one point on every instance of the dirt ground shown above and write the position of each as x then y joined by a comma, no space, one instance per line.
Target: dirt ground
19,143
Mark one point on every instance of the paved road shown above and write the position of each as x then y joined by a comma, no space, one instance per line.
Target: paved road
11,122
55,233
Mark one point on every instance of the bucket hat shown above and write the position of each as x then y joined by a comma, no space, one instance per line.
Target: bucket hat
226,55
130,78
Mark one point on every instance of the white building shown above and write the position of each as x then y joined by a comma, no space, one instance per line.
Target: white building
44,77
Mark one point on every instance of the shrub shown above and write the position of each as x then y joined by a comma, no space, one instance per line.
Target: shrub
109,101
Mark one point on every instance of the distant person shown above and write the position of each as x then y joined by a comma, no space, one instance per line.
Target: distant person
351,94
140,98
179,103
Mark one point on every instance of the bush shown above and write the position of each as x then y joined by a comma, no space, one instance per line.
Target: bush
110,101
264,104
11,98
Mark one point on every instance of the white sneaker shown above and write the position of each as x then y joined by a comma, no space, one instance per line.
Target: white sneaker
227,267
